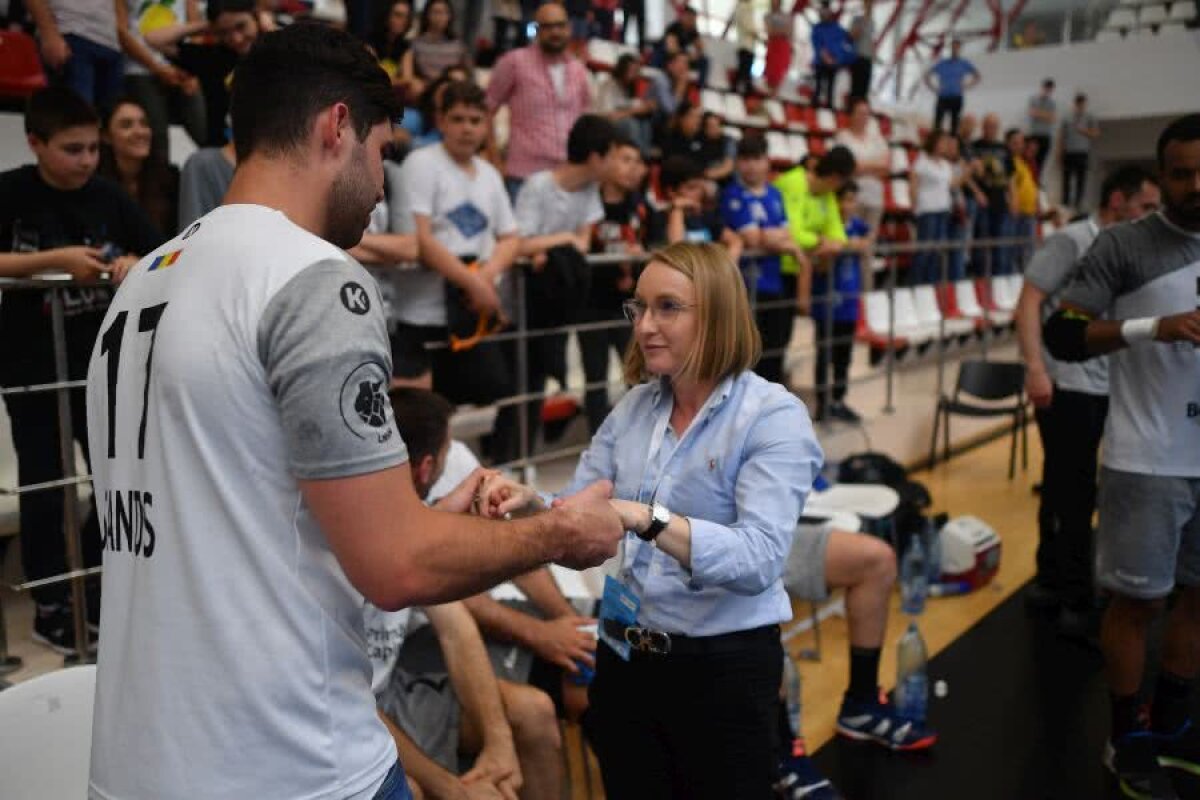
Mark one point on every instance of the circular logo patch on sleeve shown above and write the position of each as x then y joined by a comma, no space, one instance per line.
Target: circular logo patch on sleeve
354,298
364,402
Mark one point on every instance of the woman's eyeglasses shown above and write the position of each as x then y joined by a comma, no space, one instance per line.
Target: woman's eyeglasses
663,310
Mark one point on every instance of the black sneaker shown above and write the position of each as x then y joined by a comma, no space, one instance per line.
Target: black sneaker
54,627
845,413
1078,626
1134,762
1180,750
1039,598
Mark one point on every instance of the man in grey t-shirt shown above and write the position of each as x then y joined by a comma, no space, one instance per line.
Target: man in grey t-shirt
1043,112
1071,403
862,31
1144,275
1079,130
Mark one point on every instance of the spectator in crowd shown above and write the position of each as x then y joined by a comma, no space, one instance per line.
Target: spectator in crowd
835,320
434,686
128,158
604,19
622,231
617,99
1043,118
546,90
160,87
1133,296
949,79
235,25
470,16
832,49
717,148
580,14
435,49
745,23
670,88
203,182
995,179
683,137
753,208
389,37
862,33
80,47
932,179
873,163
810,199
634,9
508,26
780,29
1024,195
1070,405
683,36
683,217
1079,130
966,198
57,216
382,253
455,203
419,126
555,212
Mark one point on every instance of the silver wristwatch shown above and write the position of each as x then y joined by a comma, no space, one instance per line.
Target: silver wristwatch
660,518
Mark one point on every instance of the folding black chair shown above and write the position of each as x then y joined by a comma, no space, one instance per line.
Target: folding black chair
990,381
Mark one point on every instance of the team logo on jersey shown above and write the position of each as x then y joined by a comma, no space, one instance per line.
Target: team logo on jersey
188,233
364,402
355,299
164,261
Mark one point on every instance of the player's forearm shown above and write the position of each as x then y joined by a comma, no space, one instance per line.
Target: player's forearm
42,16
469,668
1029,328
498,621
542,590
435,256
387,248
504,253
427,773
23,265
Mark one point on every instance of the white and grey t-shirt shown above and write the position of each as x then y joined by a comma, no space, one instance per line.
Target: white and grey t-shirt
468,212
544,207
91,20
239,358
1147,268
1051,270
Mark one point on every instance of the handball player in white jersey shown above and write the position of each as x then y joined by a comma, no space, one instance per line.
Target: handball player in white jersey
253,489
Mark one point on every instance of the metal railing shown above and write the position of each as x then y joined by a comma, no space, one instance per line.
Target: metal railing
891,254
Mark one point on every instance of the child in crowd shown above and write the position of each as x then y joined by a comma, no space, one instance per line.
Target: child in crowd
683,217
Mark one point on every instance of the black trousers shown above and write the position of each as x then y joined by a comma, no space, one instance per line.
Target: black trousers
948,106
860,77
35,433
826,76
593,351
701,727
836,350
1043,150
745,64
775,327
1075,168
635,8
1071,428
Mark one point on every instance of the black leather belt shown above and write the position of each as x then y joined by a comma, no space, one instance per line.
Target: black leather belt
660,643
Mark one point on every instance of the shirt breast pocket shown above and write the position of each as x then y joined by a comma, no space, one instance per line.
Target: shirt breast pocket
706,490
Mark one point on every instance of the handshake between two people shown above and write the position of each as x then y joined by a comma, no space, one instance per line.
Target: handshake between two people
597,521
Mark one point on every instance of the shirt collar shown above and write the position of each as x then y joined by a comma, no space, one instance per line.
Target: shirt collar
662,391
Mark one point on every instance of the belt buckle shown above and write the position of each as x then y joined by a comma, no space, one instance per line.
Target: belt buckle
647,641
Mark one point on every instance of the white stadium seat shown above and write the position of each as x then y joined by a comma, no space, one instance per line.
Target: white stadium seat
1152,15
1183,11
901,194
712,100
967,300
908,324
1122,18
776,113
778,147
900,165
826,120
799,147
928,313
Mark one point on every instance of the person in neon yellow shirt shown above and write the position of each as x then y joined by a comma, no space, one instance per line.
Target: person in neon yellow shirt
1023,193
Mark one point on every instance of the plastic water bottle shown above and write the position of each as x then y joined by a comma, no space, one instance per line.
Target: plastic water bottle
791,684
933,550
912,681
914,577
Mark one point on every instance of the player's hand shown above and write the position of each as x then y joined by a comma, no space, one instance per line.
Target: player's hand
1039,387
482,297
500,495
591,530
498,766
634,516
685,204
83,263
1179,328
581,243
462,497
55,50
828,247
560,642
120,267
479,790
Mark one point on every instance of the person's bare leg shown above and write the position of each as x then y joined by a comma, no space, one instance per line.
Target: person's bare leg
866,568
534,724
1180,664
1123,640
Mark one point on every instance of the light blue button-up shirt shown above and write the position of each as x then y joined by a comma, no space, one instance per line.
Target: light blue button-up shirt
740,474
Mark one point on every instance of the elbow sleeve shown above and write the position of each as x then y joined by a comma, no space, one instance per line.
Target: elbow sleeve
1065,334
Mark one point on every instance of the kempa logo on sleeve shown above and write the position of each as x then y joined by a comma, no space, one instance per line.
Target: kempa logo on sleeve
355,299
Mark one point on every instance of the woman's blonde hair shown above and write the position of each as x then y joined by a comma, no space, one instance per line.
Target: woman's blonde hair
727,340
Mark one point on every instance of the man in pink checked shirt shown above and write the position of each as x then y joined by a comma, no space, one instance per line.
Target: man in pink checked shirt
545,90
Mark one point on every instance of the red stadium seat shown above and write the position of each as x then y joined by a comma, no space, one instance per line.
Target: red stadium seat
20,67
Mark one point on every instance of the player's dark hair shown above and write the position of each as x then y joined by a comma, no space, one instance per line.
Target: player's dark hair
838,162
849,187
1184,129
462,93
292,74
591,135
1127,180
678,170
751,147
55,109
216,8
423,419
624,140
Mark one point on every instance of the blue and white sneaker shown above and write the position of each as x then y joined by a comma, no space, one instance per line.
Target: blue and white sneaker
799,779
876,722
